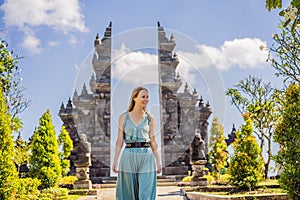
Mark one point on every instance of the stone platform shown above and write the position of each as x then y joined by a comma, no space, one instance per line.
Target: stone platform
169,192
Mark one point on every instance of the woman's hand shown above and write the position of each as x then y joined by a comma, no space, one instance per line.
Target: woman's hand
158,170
114,168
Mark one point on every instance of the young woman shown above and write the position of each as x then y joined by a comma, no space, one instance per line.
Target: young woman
140,161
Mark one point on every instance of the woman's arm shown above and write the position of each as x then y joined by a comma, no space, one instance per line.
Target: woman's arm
154,144
119,143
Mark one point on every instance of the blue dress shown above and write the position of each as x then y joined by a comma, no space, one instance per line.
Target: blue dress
137,169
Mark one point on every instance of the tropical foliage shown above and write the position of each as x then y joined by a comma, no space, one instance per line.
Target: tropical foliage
254,96
246,164
8,171
44,159
287,134
66,145
217,156
10,81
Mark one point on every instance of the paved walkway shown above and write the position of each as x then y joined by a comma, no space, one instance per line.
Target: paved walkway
167,192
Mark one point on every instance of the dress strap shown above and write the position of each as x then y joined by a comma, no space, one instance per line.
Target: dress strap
126,117
149,122
149,118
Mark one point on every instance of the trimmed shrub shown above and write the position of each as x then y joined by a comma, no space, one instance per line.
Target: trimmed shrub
54,194
44,159
67,182
8,171
28,189
246,165
217,155
287,135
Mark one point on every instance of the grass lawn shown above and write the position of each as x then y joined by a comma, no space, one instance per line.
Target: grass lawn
254,192
265,187
75,197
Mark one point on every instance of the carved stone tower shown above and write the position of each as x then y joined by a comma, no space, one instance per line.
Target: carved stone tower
181,115
91,114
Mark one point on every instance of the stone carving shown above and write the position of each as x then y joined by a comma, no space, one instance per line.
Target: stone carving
198,160
82,152
82,162
197,148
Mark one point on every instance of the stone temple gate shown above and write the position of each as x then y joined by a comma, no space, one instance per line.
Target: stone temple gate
181,113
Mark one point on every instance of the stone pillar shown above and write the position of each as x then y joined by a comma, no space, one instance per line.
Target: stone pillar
83,182
198,173
82,162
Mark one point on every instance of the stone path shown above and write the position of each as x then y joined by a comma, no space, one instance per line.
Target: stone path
168,192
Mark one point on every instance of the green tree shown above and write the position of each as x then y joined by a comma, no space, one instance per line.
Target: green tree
284,54
10,83
217,155
285,58
44,159
254,96
287,135
8,172
274,4
66,145
21,155
246,164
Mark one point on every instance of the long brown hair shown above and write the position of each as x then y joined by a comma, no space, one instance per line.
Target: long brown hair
134,94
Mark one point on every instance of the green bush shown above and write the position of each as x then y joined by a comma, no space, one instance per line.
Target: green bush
8,171
210,178
54,194
224,179
287,135
217,156
67,180
28,189
187,179
246,165
44,159
66,145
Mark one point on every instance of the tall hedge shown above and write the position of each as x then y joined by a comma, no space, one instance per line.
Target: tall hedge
287,135
66,144
218,153
246,165
44,159
8,171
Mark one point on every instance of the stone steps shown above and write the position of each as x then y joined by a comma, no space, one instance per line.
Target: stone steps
110,182
159,184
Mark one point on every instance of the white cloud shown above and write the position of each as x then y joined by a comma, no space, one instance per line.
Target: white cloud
32,43
53,43
134,67
60,15
244,53
63,16
189,62
72,39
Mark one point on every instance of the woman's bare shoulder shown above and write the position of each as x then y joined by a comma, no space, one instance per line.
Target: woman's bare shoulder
151,116
122,117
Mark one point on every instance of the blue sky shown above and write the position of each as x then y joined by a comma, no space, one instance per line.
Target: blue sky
56,40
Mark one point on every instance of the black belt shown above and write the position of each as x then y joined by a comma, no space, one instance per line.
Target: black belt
137,144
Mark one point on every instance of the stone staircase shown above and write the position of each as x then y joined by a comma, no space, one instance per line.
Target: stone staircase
110,182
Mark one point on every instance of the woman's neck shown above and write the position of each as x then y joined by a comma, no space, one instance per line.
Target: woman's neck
138,110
